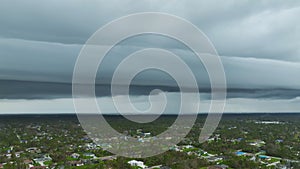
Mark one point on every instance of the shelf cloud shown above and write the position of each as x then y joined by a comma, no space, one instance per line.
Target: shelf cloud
258,43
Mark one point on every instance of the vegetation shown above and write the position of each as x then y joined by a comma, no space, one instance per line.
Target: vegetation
55,138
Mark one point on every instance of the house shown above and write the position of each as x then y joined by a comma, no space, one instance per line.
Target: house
91,146
137,163
174,148
273,164
258,143
214,159
211,139
33,150
188,146
75,163
8,155
239,139
18,154
279,141
27,161
108,158
42,159
24,141
91,155
75,155
147,134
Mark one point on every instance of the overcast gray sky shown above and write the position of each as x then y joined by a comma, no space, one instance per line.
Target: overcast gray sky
258,42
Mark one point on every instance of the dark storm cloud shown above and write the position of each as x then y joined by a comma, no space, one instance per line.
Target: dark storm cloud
258,41
40,90
46,62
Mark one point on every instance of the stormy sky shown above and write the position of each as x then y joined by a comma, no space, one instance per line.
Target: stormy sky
258,42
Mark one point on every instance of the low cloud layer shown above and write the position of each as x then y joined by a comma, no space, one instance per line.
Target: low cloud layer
65,105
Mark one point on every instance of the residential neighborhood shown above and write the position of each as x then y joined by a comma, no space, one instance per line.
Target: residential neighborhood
59,142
